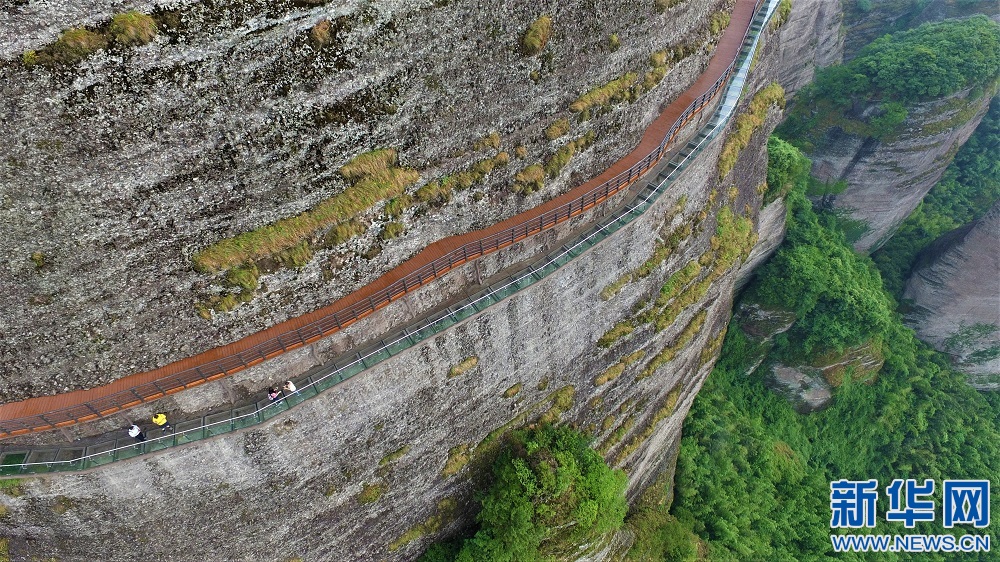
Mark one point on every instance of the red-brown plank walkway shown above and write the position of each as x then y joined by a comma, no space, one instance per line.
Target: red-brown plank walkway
48,412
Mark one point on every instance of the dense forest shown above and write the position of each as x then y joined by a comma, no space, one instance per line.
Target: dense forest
929,62
753,478
753,475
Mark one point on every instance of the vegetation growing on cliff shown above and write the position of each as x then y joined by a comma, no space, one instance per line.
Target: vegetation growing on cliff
537,35
551,493
894,71
968,188
753,475
374,176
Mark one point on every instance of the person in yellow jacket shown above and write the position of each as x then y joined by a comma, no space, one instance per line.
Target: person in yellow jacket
160,419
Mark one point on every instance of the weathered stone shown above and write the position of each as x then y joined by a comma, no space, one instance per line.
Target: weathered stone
955,297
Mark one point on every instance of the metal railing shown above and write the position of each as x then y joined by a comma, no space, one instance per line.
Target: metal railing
14,461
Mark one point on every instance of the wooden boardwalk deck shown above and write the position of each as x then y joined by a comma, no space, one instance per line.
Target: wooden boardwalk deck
48,412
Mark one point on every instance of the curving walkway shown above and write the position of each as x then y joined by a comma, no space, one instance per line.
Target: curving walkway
16,461
49,412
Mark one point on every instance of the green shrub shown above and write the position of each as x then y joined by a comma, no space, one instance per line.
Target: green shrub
73,46
557,129
529,179
550,494
537,35
392,230
132,28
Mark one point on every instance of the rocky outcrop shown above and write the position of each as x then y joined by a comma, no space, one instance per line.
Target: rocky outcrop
955,296
239,113
810,38
884,181
355,473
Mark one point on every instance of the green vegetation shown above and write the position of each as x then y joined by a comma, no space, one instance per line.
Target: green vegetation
784,11
374,176
4,550
747,124
395,455
616,90
613,42
787,169
969,187
537,35
617,332
392,230
458,457
753,475
894,71
513,391
561,158
321,34
530,179
664,5
718,22
550,494
132,28
73,46
38,258
467,364
370,493
447,510
492,140
557,129
836,294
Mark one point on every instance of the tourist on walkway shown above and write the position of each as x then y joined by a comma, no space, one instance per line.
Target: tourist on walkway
273,394
136,433
289,388
160,420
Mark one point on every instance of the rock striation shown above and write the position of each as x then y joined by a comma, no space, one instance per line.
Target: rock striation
955,296
118,168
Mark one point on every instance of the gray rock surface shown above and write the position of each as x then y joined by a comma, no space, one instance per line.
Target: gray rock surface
810,38
887,180
293,486
955,296
120,168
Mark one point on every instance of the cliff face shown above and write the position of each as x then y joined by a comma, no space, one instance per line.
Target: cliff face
886,180
955,294
810,38
117,169
376,468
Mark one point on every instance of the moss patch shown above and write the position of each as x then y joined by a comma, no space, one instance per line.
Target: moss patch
537,35
513,390
370,493
132,28
446,512
458,457
557,129
395,455
465,366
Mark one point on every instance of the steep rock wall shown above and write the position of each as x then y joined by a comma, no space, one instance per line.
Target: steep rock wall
347,475
886,180
116,170
955,297
810,38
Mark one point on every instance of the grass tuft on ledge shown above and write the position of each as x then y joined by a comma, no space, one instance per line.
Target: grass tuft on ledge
375,177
